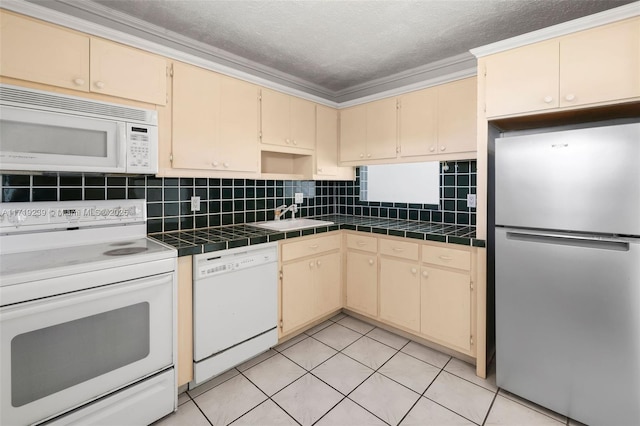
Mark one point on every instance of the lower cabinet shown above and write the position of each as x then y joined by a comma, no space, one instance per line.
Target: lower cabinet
362,282
311,280
400,293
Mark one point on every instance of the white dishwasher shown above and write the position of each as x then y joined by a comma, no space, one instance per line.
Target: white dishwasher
235,307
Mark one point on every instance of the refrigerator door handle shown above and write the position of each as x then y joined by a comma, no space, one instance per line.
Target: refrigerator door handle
573,240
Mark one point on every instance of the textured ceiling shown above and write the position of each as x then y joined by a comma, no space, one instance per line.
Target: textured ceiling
336,45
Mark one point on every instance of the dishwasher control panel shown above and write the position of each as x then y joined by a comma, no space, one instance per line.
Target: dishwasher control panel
216,264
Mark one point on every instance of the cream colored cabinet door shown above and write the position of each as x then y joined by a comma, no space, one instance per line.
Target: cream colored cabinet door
418,123
523,79
298,291
362,283
457,116
302,123
353,133
382,129
237,144
42,53
445,300
326,141
126,72
400,293
328,283
196,117
287,120
601,64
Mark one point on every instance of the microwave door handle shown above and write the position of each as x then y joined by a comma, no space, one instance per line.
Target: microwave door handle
122,145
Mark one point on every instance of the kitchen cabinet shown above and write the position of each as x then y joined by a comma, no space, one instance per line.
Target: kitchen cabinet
185,320
287,121
598,65
369,132
43,53
311,284
439,120
445,297
362,274
214,121
326,153
399,283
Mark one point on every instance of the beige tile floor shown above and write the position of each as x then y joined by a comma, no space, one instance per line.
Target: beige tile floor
345,372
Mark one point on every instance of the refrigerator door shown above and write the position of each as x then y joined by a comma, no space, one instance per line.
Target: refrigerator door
568,323
585,180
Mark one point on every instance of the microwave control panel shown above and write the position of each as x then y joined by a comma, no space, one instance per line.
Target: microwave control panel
142,149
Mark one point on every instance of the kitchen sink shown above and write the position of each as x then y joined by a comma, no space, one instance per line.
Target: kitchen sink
291,224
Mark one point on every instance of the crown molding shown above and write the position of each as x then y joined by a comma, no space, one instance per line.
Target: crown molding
586,22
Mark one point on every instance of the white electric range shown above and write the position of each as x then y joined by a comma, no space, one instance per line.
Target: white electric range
87,315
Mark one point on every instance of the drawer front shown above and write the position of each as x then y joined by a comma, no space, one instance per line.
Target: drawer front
452,258
401,249
361,242
310,247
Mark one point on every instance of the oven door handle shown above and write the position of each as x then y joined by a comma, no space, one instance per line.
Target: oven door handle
82,297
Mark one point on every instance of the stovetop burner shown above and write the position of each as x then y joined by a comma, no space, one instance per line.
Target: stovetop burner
125,251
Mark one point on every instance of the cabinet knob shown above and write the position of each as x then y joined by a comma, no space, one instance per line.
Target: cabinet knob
442,148
414,271
226,165
78,81
425,274
295,142
570,97
368,155
370,261
99,84
318,263
311,264
214,164
319,169
548,99
432,149
361,155
287,141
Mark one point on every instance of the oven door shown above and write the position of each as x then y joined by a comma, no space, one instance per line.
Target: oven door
61,352
49,141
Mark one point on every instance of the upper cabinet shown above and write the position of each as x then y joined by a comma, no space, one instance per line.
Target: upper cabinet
42,53
47,54
369,132
126,72
599,65
327,146
287,121
439,120
214,121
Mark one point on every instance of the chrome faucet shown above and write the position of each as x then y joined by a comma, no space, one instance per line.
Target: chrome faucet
280,211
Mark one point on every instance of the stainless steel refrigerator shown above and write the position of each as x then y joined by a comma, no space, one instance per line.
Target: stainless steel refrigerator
567,270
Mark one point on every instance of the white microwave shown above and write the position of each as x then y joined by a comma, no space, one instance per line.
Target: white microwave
49,132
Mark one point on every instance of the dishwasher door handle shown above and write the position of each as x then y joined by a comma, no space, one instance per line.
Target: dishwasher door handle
573,240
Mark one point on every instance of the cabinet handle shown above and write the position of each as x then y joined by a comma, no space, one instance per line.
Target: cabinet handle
425,274
445,257
368,155
78,81
548,99
314,246
318,263
214,164
442,148
432,149
413,271
361,155
295,142
570,97
226,165
311,264
370,261
99,84
397,249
